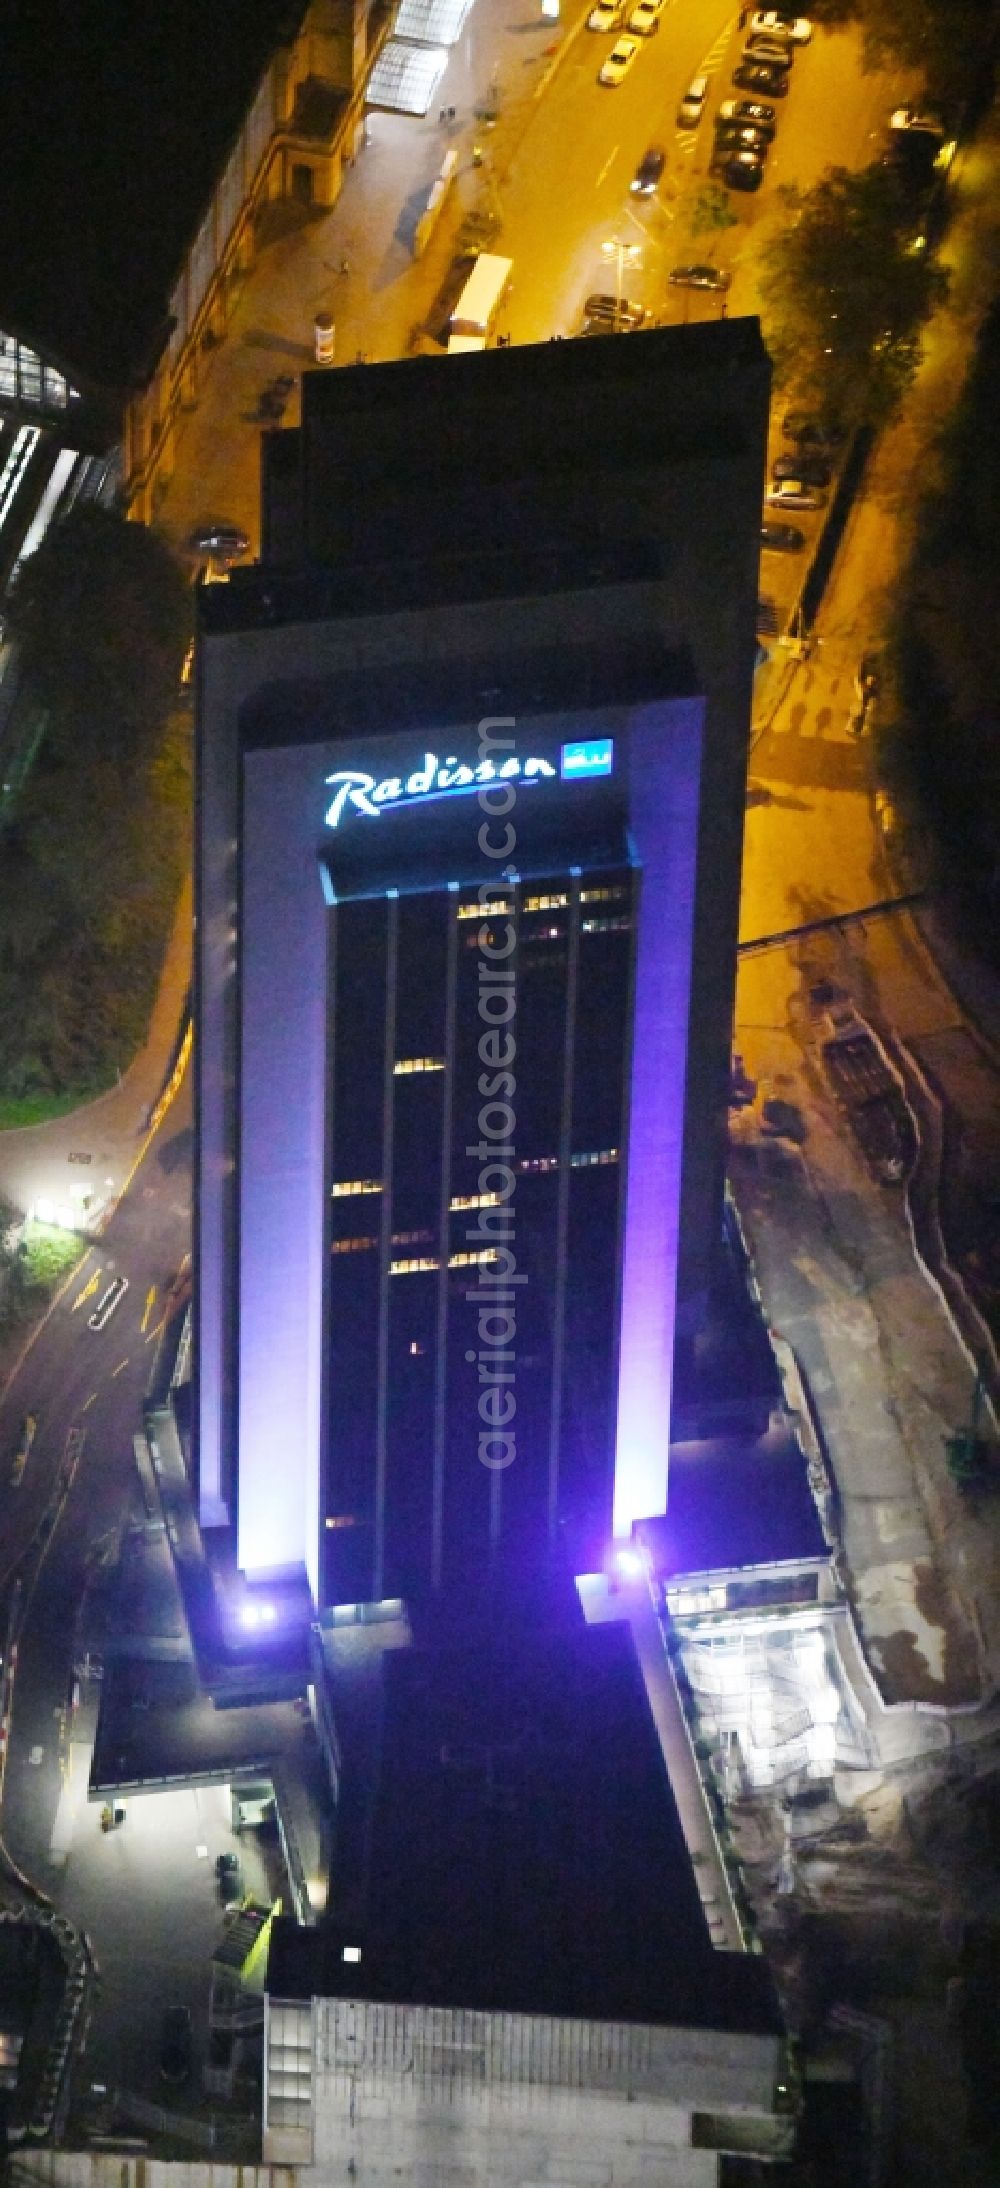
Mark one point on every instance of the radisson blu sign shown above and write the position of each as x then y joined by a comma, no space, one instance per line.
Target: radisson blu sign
355,792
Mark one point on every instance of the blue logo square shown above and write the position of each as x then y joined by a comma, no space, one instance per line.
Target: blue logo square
595,757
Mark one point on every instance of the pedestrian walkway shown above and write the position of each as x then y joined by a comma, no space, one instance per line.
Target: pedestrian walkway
888,1380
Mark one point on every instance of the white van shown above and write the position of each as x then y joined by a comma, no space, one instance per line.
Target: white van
479,303
692,105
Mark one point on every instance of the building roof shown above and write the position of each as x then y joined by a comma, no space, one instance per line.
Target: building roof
524,1852
114,131
736,1502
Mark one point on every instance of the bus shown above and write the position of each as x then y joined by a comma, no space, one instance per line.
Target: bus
479,303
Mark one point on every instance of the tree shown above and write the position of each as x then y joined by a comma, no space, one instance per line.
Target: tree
102,618
948,40
711,210
845,291
97,828
942,754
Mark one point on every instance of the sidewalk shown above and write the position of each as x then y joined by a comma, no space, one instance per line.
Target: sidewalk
833,1251
833,1257
386,294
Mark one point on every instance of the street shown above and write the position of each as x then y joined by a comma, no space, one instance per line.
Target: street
75,1379
556,171
832,1251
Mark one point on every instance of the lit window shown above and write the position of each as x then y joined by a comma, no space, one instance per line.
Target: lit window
353,1245
473,1261
687,1602
545,903
415,1267
619,924
411,1238
495,908
602,896
345,1187
461,1201
407,1064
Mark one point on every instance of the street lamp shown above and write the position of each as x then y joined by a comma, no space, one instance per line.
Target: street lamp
624,254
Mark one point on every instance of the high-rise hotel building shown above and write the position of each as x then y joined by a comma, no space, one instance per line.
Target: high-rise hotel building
472,751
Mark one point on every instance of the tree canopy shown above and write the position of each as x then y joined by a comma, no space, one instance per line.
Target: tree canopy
96,837
845,293
102,617
946,39
942,753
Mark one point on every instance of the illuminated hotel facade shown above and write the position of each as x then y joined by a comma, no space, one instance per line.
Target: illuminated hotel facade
471,780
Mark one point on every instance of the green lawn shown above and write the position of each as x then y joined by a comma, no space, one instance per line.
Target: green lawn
36,1268
17,1110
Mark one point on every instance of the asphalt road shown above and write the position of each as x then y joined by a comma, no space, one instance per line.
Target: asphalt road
75,1379
564,191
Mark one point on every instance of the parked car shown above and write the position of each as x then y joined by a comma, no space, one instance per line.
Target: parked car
606,15
795,494
699,277
648,172
645,18
614,308
176,2044
757,76
742,137
914,154
814,470
773,52
692,105
781,539
755,111
775,23
619,61
225,542
913,117
739,170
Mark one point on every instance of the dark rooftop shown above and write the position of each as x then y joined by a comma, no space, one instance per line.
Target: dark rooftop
116,118
736,1502
524,1849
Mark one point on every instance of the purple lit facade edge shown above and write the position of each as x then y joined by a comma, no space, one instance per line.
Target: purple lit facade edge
665,775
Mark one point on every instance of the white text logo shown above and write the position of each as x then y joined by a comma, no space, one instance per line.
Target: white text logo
356,792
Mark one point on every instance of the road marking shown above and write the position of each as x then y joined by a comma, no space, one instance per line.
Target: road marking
157,1329
119,1370
89,1288
148,1308
86,1408
611,156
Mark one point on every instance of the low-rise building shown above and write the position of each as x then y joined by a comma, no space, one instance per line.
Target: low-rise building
517,1981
